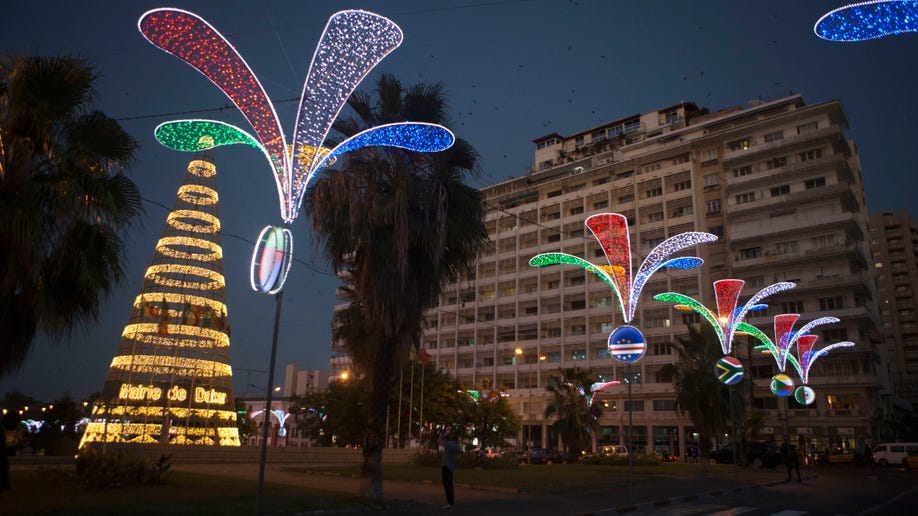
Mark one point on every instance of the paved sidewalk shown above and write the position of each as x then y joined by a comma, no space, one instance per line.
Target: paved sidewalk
648,493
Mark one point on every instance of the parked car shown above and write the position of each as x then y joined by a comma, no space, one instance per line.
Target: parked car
614,449
885,454
543,456
758,454
841,456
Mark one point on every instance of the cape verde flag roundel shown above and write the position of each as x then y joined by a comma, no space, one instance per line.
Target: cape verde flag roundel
729,370
626,344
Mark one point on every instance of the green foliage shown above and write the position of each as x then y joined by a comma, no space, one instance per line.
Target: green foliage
64,201
466,460
336,415
638,459
576,419
698,392
119,469
491,420
443,404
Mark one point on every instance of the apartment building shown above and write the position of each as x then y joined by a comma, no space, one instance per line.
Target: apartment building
778,181
894,241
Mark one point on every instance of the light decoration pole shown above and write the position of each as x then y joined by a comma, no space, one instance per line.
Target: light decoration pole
626,343
868,20
351,45
727,322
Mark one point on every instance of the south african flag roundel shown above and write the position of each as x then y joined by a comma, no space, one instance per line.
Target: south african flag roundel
728,370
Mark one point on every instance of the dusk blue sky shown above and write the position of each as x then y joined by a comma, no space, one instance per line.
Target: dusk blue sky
514,71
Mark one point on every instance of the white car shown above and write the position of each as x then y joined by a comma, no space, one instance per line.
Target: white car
614,449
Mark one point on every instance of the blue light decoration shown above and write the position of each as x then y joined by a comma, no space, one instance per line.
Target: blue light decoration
780,350
868,20
352,44
729,319
626,343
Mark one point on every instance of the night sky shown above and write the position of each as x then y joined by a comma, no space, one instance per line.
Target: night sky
514,71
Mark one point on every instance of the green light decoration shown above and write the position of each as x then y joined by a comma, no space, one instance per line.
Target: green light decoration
766,346
569,259
184,135
683,302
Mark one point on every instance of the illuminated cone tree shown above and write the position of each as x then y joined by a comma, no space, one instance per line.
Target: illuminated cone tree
170,381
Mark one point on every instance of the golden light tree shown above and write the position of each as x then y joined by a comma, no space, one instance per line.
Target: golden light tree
171,381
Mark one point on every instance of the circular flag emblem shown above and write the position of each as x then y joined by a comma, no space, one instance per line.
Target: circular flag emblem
271,259
626,344
728,370
782,385
804,395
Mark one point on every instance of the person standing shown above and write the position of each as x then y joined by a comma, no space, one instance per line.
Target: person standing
790,460
448,464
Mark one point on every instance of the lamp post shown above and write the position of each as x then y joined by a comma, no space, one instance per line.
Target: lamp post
519,354
542,358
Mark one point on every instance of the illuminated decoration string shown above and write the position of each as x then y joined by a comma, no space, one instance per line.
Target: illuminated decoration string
352,44
595,388
626,343
868,20
170,381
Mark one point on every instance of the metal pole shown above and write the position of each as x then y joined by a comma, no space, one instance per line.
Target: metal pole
733,437
279,297
630,450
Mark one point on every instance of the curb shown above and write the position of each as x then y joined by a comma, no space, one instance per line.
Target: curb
666,502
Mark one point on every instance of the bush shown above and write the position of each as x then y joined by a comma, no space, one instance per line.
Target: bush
638,459
119,469
466,460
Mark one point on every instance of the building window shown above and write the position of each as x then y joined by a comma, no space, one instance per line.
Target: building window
626,198
634,406
653,167
671,117
554,238
744,198
578,355
598,135
683,211
578,142
786,247
600,205
823,241
711,180
654,192
606,327
681,159
682,185
814,183
655,216
775,136
712,207
576,210
792,307
604,301
662,348
742,171
778,191
664,405
601,353
738,145
553,356
708,155
831,303
652,242
811,155
776,163
633,125
600,181
545,164
805,128
750,253
547,143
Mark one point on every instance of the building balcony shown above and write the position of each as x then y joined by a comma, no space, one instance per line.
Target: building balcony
787,145
805,223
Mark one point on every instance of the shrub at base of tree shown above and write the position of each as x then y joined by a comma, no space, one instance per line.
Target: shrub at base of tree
107,470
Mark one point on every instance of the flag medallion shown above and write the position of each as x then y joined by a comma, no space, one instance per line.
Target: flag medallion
782,385
728,370
626,344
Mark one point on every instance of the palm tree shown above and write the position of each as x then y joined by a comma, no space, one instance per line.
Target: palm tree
64,203
698,392
398,225
576,418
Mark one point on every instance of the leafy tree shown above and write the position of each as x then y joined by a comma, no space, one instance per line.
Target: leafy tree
399,225
576,420
491,420
443,403
64,203
245,424
698,392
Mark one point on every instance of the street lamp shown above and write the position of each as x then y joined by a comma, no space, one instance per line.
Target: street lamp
344,375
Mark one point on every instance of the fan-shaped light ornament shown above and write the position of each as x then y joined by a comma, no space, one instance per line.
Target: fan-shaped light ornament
729,319
786,339
351,45
611,231
804,395
729,371
782,385
868,20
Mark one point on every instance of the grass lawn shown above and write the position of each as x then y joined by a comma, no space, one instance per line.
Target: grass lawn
526,478
55,491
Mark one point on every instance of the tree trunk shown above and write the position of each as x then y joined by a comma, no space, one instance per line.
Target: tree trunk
375,439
